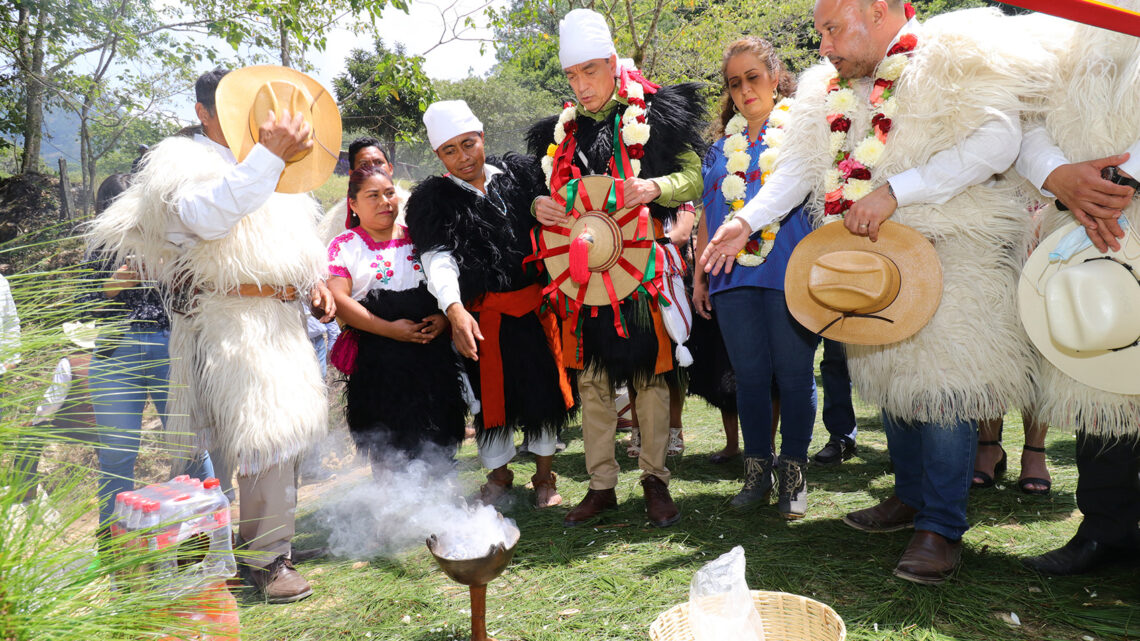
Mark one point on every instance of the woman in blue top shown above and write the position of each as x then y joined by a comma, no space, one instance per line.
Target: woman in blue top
769,350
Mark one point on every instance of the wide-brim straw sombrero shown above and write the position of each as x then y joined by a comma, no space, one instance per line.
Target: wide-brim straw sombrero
1083,313
849,289
613,249
244,98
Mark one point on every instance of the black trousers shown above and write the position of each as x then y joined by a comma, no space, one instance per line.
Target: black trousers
1108,489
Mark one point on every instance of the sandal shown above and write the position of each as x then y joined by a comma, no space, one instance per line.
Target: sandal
491,492
1024,482
633,450
676,442
999,469
720,458
546,491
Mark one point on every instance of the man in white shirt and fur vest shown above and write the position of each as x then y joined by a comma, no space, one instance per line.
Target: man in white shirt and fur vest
240,257
879,135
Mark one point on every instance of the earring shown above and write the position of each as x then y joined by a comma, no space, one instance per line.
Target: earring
775,95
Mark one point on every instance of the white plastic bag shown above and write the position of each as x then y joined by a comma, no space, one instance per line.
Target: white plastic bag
720,605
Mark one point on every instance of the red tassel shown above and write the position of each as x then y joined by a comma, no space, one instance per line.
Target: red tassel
580,260
343,354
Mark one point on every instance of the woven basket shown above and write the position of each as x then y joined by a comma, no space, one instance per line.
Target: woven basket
787,617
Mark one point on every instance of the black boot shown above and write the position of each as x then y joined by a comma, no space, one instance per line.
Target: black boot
758,482
792,493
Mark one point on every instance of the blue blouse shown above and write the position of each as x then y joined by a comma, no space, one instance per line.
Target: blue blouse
793,227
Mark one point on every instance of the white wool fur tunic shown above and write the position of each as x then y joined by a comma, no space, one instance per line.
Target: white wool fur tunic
1090,114
973,360
245,383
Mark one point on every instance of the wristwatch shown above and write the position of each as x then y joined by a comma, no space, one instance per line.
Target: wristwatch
1112,175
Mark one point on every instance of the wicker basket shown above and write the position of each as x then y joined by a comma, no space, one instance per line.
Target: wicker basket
787,617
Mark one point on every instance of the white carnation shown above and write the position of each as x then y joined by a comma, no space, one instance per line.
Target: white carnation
735,125
768,160
559,134
735,144
891,67
775,137
890,108
547,167
831,180
838,139
732,187
841,101
634,90
635,133
856,189
737,162
633,111
635,164
750,260
869,152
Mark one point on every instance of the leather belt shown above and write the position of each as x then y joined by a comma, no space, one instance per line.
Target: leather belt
286,293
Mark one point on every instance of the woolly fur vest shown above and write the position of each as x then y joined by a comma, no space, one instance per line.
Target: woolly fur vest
973,360
1096,84
244,377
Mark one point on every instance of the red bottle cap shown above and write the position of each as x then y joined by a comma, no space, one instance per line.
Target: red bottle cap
150,506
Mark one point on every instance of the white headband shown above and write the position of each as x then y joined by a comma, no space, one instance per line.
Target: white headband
447,119
583,35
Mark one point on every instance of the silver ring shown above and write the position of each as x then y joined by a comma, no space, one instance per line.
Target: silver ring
862,225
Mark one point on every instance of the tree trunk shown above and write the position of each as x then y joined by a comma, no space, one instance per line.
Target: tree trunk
286,59
31,70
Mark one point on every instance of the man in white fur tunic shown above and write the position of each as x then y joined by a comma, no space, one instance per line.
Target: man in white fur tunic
244,378
1088,125
925,118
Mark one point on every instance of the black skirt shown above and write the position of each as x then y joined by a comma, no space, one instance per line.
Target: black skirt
402,395
711,376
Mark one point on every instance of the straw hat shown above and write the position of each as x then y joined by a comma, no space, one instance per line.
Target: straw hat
244,98
1083,312
599,244
82,334
847,288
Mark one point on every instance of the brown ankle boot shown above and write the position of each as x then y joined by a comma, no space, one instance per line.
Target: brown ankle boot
546,491
279,582
658,503
595,502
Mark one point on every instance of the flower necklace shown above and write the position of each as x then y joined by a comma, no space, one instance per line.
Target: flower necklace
734,185
850,178
633,128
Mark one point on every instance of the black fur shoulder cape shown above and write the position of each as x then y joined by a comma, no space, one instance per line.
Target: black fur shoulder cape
676,115
489,236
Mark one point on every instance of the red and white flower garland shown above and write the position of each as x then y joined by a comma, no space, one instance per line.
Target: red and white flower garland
850,178
734,185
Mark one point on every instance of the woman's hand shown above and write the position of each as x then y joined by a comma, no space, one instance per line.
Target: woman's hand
407,331
720,253
435,325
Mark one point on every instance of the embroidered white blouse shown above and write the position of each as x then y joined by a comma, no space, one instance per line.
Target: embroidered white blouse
374,265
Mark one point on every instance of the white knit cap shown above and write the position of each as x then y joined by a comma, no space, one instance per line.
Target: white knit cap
447,119
583,35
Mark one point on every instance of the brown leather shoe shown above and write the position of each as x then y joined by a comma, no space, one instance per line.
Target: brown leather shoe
929,559
546,491
594,503
279,582
889,516
658,503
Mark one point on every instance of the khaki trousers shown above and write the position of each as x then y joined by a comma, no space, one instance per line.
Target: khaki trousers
599,424
268,502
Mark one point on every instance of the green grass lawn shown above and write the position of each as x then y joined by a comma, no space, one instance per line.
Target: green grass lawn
609,581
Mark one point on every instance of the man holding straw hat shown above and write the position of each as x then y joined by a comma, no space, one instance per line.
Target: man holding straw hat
222,220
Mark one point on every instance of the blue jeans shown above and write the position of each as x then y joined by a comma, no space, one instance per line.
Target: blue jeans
120,384
934,465
838,413
766,345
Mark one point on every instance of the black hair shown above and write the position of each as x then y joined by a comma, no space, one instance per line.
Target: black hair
110,189
207,85
363,143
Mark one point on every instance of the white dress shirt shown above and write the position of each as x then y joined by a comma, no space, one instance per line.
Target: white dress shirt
212,209
439,265
989,150
1040,156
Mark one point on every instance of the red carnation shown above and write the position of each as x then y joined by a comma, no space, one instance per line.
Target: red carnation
841,124
834,207
882,123
637,102
742,175
862,173
753,246
885,84
567,104
570,127
906,44
636,151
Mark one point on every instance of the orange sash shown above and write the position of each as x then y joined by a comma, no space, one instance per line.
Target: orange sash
491,307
